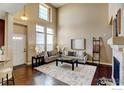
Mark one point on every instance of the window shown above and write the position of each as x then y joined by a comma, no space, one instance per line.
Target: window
40,37
44,39
44,12
50,36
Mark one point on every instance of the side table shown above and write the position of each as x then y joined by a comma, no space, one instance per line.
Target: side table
37,61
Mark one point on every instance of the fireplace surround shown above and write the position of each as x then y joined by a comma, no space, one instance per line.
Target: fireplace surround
117,59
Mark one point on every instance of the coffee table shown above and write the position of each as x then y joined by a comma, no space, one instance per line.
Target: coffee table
67,60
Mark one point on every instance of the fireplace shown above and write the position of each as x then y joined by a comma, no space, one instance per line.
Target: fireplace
117,45
116,72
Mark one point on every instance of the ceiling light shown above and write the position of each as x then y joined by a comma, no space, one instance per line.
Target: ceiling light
23,17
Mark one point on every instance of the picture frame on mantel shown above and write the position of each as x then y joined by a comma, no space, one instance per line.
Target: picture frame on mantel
119,21
114,27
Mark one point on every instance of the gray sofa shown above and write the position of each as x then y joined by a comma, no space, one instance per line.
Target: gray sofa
80,55
50,56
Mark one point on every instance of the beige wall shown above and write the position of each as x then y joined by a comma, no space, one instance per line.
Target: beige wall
33,19
85,21
8,40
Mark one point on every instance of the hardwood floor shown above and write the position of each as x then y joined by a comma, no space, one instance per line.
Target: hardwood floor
102,71
25,75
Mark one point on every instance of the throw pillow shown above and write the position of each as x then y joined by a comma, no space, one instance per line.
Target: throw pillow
65,53
80,53
70,53
49,53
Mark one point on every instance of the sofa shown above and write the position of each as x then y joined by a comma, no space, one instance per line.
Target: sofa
50,56
80,55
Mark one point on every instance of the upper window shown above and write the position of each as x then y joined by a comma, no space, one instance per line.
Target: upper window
44,12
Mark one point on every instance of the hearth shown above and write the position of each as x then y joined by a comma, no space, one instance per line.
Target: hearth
116,72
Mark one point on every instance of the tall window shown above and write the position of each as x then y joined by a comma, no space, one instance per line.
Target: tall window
40,37
50,36
44,12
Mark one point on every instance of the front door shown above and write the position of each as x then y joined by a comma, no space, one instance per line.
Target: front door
19,49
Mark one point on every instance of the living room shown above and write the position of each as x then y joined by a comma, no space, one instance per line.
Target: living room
71,31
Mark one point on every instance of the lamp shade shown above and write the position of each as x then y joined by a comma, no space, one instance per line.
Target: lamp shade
24,18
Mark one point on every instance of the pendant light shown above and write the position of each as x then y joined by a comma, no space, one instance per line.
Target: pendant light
23,17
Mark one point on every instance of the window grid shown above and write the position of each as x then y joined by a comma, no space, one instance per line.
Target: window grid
44,39
44,12
40,37
50,37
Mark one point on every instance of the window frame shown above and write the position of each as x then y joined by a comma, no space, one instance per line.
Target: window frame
49,12
39,33
52,36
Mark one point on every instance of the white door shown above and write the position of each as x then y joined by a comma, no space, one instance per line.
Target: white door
19,49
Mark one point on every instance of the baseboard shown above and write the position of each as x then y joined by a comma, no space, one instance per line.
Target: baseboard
102,63
28,63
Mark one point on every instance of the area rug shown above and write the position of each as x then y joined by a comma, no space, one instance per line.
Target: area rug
82,75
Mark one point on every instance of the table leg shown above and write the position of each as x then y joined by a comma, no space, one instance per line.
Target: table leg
32,62
76,64
56,62
13,78
73,67
61,62
36,62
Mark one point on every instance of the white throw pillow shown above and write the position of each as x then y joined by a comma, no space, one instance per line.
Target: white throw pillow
65,53
46,55
80,54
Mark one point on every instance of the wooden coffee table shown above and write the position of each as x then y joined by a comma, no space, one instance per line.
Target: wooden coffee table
67,60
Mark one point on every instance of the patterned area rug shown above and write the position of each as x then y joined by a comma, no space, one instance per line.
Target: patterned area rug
82,75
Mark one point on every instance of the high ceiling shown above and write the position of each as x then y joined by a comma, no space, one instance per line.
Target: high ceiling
14,7
57,5
11,7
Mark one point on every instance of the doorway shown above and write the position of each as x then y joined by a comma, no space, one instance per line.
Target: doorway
19,45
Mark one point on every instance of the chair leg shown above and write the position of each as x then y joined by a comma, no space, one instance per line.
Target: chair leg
13,79
2,81
7,79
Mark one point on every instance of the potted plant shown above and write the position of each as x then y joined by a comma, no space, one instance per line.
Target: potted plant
1,52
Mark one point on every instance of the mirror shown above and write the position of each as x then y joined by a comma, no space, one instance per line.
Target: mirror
78,44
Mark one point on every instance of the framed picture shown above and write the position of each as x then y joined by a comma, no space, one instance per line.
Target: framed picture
114,27
119,21
78,44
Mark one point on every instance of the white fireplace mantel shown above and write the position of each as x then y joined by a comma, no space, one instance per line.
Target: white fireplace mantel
117,45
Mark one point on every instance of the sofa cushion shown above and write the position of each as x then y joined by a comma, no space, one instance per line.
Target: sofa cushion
54,52
50,59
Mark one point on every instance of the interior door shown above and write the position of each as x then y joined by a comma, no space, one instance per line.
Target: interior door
19,49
